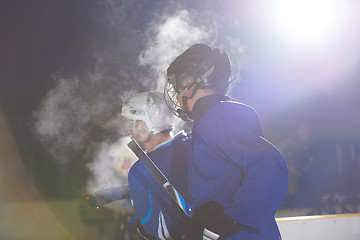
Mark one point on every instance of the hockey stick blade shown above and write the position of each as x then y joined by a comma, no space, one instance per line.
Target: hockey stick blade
159,176
108,195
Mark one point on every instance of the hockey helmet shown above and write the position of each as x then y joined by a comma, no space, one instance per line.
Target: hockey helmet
149,107
209,67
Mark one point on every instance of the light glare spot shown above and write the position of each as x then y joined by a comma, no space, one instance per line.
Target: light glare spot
306,21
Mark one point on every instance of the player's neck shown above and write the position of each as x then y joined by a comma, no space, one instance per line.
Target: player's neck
200,94
156,139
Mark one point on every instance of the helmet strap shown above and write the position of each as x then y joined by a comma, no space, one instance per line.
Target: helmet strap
202,78
185,113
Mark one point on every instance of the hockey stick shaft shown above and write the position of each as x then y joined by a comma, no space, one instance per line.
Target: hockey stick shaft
107,195
159,176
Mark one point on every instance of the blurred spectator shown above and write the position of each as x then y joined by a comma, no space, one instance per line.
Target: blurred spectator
324,174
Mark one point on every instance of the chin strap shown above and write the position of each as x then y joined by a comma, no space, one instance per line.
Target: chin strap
186,114
183,115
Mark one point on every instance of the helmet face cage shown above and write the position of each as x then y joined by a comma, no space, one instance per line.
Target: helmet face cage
150,108
197,67
171,100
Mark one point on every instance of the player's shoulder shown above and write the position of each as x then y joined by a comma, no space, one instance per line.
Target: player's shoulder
234,107
180,137
136,169
137,166
230,110
226,114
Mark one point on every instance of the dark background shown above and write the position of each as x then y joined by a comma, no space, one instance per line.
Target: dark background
38,39
301,114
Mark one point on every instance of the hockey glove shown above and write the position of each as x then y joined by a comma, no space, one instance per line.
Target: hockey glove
211,217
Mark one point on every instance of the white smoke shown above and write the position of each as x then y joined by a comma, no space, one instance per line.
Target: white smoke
111,165
110,168
166,40
81,114
71,112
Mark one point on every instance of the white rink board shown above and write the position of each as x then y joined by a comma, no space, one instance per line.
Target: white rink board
329,227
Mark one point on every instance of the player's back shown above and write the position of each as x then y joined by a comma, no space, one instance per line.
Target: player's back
157,211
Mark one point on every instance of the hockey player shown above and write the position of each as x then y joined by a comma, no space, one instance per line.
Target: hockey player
151,126
237,179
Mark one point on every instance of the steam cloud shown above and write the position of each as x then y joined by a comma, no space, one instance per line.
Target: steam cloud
167,40
111,165
79,118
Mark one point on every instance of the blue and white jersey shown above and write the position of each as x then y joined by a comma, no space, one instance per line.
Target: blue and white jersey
231,162
158,213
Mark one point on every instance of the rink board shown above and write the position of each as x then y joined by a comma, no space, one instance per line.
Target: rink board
329,227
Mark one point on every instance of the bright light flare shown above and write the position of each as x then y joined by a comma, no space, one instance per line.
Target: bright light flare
306,21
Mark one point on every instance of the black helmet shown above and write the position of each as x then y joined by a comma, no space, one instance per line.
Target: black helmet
209,67
200,60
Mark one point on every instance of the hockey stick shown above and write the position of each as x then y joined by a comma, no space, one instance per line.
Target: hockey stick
108,195
159,176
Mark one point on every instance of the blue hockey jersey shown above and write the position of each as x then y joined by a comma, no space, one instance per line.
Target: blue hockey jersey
231,162
157,211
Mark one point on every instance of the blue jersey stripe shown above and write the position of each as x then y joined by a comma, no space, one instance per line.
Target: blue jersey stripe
147,217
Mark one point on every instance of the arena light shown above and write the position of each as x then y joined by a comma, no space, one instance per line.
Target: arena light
305,21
